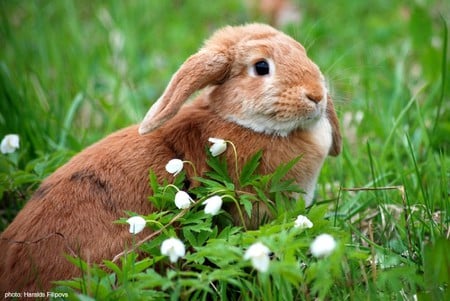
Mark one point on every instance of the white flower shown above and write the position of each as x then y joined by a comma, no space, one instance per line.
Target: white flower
174,166
323,245
259,254
174,248
10,143
303,222
219,146
182,200
137,224
213,205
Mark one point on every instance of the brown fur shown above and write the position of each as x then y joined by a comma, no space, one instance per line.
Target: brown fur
74,209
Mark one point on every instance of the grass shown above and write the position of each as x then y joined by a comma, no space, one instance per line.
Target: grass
74,71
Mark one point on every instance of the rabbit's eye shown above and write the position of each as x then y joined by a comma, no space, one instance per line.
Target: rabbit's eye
262,67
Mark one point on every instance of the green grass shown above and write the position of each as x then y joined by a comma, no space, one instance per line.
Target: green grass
72,72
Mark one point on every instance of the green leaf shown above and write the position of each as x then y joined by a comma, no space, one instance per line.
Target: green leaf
142,265
152,278
187,234
82,297
214,184
153,180
437,269
22,177
248,170
112,266
248,205
278,181
219,167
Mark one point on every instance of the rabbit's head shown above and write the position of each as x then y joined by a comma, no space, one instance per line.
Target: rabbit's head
258,77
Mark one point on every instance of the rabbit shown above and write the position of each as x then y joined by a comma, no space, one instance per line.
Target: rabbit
258,89
278,13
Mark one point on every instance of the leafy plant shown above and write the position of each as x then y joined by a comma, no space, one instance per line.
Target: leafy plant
214,266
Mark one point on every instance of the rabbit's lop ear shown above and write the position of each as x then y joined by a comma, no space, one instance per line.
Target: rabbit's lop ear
201,69
336,145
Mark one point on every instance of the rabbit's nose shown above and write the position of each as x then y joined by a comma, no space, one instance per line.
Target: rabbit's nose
314,97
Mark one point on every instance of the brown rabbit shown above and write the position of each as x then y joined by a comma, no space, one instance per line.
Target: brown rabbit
261,91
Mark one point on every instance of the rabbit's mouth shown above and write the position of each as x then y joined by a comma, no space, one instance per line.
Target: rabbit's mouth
313,116
304,117
279,124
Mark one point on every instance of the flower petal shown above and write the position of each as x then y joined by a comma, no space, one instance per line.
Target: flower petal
174,166
259,255
303,222
182,200
219,146
137,224
213,205
261,263
256,249
216,140
174,248
9,143
323,245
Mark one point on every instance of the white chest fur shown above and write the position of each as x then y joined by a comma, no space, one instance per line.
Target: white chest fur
321,134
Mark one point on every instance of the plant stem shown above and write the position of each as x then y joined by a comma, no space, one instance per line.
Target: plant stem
139,243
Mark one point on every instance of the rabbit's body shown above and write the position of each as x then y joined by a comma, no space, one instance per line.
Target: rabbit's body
74,210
